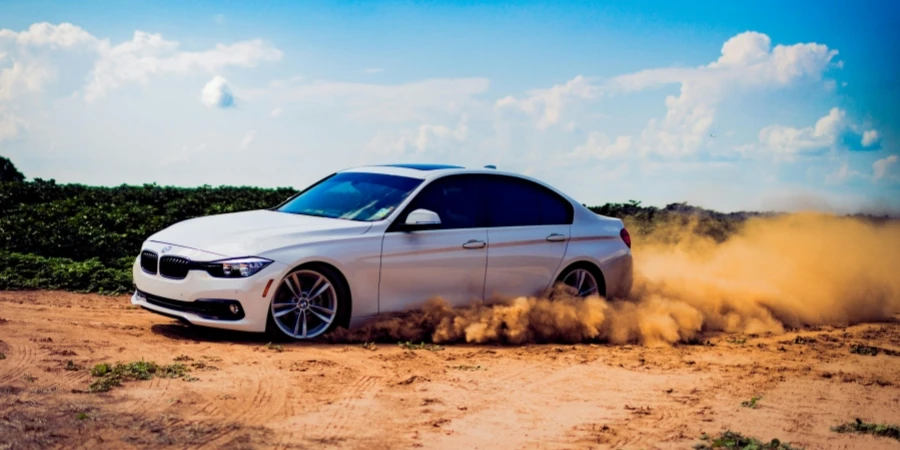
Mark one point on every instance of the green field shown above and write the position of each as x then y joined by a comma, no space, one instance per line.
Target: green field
85,238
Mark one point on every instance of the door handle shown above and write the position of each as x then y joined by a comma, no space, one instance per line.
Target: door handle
556,237
474,243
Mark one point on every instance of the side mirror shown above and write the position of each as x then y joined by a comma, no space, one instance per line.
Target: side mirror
422,219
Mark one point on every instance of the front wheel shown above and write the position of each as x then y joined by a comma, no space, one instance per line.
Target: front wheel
307,304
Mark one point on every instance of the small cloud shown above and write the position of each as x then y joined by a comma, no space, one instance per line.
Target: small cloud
217,94
248,138
869,137
373,70
842,175
219,18
884,168
10,126
276,112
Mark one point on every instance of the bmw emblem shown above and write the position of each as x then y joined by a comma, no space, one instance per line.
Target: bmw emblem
166,249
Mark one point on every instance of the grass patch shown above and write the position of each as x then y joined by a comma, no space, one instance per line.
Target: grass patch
275,347
468,368
420,346
70,365
875,429
82,416
733,440
200,365
752,403
737,341
369,346
861,349
182,358
2,355
29,378
109,376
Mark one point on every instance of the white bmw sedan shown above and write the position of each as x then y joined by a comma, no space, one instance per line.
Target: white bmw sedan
380,239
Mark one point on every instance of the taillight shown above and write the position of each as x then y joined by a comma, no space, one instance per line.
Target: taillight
625,237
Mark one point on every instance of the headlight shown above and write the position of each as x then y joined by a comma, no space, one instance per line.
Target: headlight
237,267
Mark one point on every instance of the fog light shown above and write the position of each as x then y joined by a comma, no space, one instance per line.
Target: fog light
234,308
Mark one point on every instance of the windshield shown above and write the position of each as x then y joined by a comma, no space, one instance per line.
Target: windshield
353,196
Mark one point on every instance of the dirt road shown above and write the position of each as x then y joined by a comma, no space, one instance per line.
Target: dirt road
240,392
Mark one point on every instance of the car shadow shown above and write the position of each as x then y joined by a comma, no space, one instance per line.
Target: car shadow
187,332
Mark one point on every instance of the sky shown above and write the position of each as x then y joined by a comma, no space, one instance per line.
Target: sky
757,105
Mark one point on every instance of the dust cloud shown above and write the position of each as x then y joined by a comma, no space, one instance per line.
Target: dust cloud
773,274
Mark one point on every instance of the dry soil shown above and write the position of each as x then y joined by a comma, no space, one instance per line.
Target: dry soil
243,393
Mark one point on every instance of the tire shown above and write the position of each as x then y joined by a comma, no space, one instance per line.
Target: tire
309,302
581,280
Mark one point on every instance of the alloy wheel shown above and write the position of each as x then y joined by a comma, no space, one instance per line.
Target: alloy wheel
582,281
305,304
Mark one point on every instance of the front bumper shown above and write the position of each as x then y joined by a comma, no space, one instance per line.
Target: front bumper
204,300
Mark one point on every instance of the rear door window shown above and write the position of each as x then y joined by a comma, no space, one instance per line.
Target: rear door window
516,202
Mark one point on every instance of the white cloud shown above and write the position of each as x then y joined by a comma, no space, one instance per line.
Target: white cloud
276,113
869,138
415,101
23,78
842,175
747,63
832,131
599,146
219,19
43,34
248,138
145,56
217,94
885,169
789,140
9,126
148,55
29,53
373,70
428,138
547,105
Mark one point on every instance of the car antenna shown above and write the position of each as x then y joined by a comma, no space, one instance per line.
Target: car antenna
490,166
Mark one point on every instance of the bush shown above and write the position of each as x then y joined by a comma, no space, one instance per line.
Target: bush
8,171
109,223
25,271
84,238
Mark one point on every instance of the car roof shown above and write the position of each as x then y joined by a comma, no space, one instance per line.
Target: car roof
416,170
430,171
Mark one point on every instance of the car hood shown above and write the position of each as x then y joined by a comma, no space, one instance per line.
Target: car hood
252,233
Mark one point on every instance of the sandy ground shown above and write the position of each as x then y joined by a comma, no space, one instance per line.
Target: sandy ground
243,393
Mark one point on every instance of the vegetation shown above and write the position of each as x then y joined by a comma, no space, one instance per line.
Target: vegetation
752,403
858,426
8,171
420,346
86,238
733,440
112,375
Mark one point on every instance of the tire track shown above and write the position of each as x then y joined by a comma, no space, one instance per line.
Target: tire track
267,402
289,435
345,416
21,360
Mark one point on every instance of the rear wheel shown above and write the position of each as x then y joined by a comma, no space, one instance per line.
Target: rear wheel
308,303
580,281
